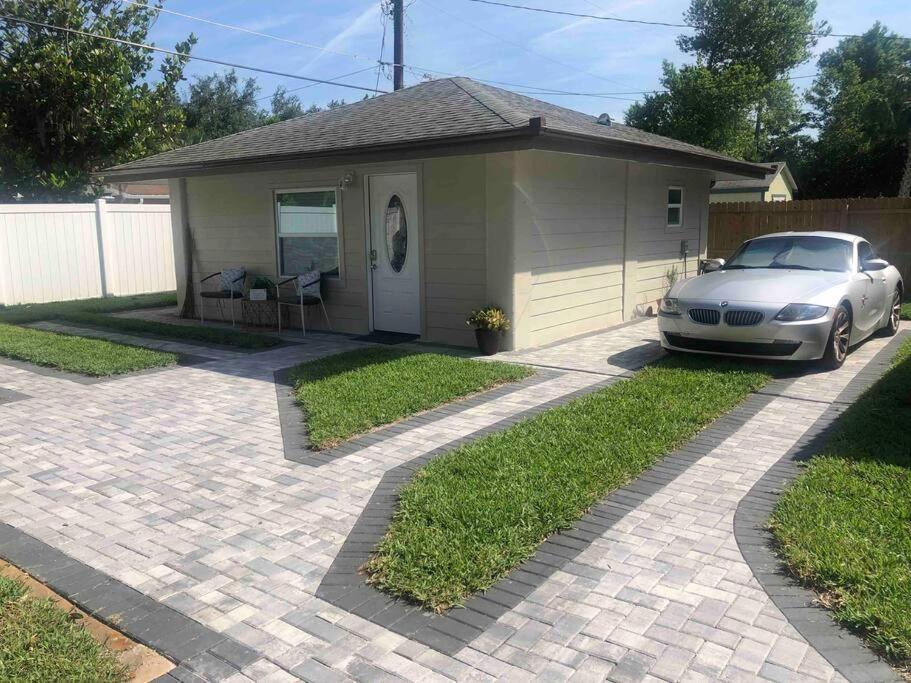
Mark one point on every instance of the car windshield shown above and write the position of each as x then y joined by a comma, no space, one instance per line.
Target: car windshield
801,253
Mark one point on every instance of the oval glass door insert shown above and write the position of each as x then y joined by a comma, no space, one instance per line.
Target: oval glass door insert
396,234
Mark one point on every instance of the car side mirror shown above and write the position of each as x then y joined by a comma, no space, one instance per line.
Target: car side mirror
712,264
874,264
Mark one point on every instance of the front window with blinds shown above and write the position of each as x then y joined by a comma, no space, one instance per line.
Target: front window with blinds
674,206
307,224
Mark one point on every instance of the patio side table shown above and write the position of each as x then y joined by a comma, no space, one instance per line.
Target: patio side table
259,313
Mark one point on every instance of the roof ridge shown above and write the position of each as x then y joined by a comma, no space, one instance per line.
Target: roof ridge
486,100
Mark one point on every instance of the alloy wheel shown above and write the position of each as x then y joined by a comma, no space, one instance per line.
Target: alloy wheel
896,315
842,335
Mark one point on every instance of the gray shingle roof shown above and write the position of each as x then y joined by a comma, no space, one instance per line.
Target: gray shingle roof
752,184
432,111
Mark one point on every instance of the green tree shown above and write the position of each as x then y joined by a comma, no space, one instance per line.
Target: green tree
862,109
772,35
743,49
221,104
702,106
71,105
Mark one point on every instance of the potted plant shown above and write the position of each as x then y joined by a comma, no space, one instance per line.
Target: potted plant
489,323
262,288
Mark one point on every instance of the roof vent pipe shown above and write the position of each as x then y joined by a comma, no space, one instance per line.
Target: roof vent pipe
604,119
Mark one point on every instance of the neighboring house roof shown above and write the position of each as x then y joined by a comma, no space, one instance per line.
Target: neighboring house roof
758,185
450,111
140,189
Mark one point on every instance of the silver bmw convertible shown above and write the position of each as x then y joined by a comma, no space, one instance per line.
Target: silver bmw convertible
789,295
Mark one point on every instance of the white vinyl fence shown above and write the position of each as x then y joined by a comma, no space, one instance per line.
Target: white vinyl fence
58,252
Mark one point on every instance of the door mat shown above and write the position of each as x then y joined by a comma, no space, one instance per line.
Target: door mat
389,338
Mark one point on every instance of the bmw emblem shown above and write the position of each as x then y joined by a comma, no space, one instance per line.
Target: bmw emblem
724,304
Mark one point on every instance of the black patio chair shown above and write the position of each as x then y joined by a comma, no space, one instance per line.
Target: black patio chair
232,289
307,293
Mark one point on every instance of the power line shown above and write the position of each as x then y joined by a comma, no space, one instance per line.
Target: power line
520,46
313,85
580,15
185,55
234,27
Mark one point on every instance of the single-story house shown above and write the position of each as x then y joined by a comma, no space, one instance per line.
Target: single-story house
777,186
423,204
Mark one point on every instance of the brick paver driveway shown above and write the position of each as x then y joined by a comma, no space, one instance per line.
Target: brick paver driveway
175,484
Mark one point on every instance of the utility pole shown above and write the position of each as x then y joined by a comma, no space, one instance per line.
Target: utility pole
398,51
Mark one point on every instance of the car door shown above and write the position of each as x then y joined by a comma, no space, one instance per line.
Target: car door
873,286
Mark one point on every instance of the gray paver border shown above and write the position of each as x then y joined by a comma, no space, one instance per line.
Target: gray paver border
183,360
296,444
344,587
184,641
845,651
201,343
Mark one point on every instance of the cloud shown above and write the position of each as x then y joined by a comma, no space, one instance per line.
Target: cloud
366,22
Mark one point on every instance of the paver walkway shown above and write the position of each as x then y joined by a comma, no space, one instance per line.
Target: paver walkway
175,484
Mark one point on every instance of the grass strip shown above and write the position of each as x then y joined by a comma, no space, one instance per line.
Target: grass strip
30,313
93,357
211,335
470,516
352,393
844,525
40,642
906,311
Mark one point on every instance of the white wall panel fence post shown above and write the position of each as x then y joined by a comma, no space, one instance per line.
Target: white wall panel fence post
59,252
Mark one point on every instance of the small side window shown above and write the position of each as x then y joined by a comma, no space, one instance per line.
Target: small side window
674,206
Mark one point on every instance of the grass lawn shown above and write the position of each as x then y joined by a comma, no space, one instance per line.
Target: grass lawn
190,333
40,642
906,310
844,525
352,393
30,313
94,357
470,516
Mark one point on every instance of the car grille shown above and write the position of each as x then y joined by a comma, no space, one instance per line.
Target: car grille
742,318
780,349
704,316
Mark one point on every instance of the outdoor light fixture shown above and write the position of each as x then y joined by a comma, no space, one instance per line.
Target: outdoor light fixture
346,180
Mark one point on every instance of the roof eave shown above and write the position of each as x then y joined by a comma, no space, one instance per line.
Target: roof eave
465,144
636,151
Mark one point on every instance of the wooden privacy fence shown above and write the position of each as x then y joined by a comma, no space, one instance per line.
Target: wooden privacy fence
885,222
59,252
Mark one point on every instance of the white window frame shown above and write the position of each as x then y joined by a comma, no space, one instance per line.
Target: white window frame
779,197
279,235
669,205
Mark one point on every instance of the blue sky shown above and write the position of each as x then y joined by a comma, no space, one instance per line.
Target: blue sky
471,39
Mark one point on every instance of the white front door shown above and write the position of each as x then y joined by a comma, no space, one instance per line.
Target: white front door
394,252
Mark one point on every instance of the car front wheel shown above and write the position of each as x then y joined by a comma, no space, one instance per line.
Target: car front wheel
895,314
839,340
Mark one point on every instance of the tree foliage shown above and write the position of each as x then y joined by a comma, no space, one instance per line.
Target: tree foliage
71,105
221,104
770,35
702,106
862,109
733,99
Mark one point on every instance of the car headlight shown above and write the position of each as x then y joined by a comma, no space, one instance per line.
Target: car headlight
670,306
796,312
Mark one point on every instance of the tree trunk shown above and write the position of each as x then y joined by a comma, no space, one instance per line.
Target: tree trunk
904,189
757,134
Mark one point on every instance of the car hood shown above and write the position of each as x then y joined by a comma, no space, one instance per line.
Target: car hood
761,285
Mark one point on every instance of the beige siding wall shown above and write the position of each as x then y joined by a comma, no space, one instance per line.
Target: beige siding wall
233,224
454,246
780,187
573,243
655,248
